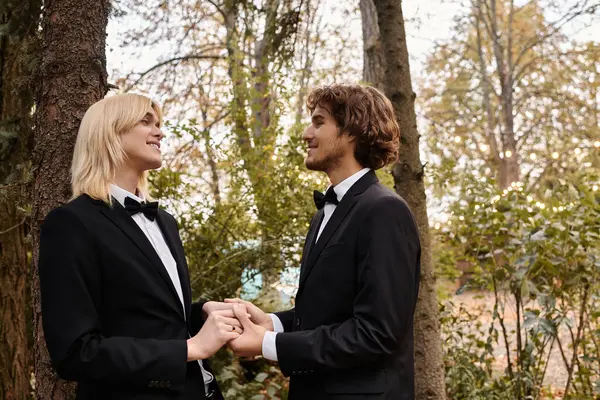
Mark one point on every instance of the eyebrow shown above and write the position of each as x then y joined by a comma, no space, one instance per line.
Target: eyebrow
152,117
317,117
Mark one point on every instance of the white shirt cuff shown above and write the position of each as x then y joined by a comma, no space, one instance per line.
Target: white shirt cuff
277,325
269,347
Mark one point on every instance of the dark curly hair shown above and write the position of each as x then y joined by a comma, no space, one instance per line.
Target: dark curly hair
365,113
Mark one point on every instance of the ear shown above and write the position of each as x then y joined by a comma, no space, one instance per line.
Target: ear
351,139
345,135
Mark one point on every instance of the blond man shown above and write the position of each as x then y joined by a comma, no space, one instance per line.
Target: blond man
116,300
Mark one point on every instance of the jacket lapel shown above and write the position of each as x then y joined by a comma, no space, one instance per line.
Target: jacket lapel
334,222
120,217
172,237
348,202
310,240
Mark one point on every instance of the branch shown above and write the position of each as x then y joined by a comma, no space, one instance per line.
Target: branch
218,8
13,227
169,61
14,185
539,178
207,128
577,338
519,73
523,137
504,331
540,377
556,26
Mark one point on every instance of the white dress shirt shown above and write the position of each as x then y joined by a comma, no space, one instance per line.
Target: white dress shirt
269,348
156,238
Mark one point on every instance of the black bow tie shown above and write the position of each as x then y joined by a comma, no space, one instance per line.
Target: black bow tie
328,197
150,210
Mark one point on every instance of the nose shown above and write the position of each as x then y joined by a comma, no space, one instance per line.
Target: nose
308,133
158,132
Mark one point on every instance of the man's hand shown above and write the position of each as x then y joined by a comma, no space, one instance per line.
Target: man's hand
258,316
220,327
249,343
211,306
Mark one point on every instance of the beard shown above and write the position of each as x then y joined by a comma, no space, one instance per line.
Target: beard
330,161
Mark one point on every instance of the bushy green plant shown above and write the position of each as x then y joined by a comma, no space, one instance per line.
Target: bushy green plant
539,256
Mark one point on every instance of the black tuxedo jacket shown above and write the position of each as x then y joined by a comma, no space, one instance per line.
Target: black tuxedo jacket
112,319
350,334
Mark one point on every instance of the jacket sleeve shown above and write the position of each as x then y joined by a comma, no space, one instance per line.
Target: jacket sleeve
197,317
387,271
71,296
287,319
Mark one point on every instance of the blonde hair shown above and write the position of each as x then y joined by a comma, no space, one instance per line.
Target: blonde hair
98,150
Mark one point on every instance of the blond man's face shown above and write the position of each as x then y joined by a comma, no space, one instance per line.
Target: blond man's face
142,144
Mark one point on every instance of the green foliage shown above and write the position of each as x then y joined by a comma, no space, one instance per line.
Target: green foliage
232,246
540,258
233,174
468,356
223,236
553,90
260,379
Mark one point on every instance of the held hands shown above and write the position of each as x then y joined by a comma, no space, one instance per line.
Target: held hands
258,316
252,323
211,306
220,327
249,343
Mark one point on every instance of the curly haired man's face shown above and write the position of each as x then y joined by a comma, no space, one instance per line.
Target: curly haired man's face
326,146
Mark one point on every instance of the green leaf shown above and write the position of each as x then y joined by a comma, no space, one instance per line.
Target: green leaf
261,377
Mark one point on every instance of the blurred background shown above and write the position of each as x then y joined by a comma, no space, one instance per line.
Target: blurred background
505,130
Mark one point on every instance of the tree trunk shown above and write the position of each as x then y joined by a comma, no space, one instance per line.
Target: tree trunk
509,167
494,158
17,49
408,178
14,350
372,52
73,77
309,56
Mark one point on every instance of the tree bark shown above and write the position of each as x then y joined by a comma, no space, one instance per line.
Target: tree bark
14,350
372,51
309,56
17,61
408,179
72,78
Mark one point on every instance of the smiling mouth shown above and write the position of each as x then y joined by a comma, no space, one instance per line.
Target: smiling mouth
157,147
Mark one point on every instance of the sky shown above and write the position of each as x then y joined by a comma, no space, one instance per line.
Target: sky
427,21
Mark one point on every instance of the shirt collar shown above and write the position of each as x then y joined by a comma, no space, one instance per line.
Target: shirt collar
341,188
120,194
